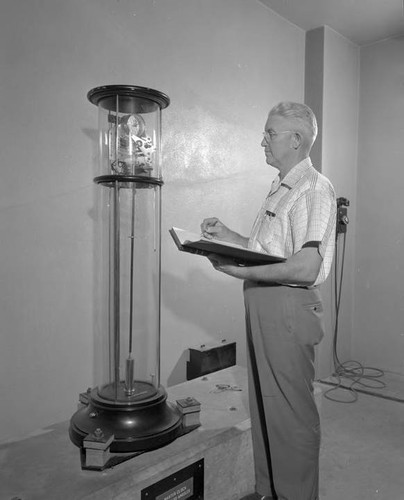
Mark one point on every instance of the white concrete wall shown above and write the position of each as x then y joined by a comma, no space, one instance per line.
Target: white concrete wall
332,89
362,153
223,63
339,160
379,288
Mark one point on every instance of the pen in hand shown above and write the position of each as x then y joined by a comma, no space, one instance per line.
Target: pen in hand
206,227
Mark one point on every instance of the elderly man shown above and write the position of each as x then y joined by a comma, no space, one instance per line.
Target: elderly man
283,306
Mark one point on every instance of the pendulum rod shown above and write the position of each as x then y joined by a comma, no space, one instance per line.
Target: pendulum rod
116,261
116,288
129,375
132,254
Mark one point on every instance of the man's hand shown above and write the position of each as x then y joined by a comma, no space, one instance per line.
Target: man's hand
225,265
212,227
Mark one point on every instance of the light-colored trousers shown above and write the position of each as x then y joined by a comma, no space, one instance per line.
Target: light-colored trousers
283,325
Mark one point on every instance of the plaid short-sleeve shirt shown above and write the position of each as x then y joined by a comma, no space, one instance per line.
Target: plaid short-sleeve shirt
300,210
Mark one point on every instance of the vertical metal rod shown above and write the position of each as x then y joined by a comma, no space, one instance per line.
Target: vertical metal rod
130,376
130,362
116,250
116,134
116,287
111,321
132,260
157,249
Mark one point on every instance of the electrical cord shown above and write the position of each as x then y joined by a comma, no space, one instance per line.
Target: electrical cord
359,376
225,387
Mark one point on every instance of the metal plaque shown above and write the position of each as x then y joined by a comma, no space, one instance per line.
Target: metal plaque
186,484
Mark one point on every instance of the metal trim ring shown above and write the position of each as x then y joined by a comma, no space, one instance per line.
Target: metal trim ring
108,179
98,93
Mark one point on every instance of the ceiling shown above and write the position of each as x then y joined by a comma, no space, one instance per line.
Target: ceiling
361,21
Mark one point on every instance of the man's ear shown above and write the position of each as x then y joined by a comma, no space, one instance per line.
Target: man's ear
297,140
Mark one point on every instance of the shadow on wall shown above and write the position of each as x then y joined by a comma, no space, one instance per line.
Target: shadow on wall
202,302
178,374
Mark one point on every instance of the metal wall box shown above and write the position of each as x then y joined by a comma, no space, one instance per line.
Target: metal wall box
208,358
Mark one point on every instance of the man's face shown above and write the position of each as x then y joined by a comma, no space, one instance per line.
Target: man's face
277,140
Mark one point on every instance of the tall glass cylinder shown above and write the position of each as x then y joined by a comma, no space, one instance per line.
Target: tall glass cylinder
129,124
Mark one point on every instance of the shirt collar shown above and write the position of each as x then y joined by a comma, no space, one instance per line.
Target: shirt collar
296,173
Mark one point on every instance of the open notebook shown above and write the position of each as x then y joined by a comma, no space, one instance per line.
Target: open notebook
187,241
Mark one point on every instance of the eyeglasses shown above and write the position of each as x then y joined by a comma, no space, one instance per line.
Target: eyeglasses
270,136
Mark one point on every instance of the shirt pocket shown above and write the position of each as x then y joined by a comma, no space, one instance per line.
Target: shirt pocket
271,235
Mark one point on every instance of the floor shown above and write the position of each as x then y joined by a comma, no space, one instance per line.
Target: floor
362,455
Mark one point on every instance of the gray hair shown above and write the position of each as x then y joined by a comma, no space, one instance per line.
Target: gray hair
301,116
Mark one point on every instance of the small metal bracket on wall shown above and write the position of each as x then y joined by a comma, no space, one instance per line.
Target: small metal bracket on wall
342,215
